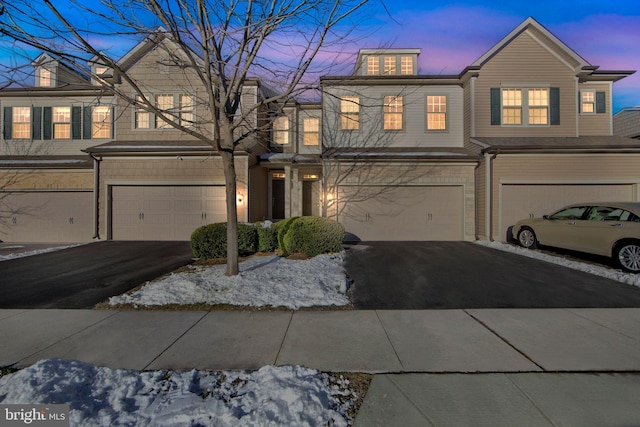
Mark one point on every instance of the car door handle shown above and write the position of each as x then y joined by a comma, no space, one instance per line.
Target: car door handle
617,224
571,223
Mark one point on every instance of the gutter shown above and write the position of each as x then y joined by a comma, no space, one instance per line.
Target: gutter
489,193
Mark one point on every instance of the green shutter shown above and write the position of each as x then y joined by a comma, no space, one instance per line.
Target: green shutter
86,123
601,102
495,106
47,123
36,123
7,129
76,122
554,110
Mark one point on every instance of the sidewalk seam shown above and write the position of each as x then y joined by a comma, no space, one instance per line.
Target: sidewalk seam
523,354
389,340
530,399
410,399
68,336
284,338
205,314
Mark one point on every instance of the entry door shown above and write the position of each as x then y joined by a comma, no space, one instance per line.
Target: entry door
277,199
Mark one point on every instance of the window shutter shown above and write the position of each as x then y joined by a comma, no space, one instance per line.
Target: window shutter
47,123
495,105
86,123
554,110
76,122
36,123
7,131
113,122
601,102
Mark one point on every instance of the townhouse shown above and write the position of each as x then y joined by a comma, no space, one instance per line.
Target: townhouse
388,152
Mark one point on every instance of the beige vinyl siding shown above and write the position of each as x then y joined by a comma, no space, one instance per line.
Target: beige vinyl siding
46,180
414,132
598,123
560,169
525,63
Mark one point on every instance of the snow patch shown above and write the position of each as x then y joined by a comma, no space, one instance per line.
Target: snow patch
15,255
263,281
288,395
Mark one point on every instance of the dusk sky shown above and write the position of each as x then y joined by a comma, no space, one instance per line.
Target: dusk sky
453,35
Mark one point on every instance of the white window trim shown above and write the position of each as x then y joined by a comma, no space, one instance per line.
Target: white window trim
446,114
525,106
588,113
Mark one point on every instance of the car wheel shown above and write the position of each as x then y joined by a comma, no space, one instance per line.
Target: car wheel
628,256
527,238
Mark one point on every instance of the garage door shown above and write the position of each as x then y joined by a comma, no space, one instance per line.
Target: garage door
46,216
520,201
403,213
164,212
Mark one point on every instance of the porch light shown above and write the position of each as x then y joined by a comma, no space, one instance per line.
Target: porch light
240,199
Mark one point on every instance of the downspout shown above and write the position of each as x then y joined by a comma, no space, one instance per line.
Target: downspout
489,194
96,196
475,202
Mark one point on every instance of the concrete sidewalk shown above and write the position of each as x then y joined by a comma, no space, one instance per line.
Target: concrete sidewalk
518,364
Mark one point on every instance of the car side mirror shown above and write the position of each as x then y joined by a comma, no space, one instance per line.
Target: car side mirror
545,216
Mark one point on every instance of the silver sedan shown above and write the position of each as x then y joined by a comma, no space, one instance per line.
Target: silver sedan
608,229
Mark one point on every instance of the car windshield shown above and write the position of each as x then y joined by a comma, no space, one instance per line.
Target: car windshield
574,212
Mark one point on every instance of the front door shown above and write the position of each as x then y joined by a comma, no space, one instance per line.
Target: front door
277,199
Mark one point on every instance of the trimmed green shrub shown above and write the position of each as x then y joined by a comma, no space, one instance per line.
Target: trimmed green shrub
282,227
210,241
267,236
311,236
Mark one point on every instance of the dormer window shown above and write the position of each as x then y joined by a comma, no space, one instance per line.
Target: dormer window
373,66
389,65
406,65
45,78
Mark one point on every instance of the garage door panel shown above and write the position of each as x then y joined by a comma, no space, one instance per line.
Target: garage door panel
48,217
164,212
521,201
403,213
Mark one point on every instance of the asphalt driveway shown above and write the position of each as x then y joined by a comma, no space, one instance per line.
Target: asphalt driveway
459,275
83,276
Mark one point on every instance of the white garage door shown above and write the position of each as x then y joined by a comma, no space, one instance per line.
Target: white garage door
164,212
520,201
403,213
46,216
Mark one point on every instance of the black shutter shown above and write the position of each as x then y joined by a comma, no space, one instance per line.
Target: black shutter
47,123
554,110
87,128
7,129
495,105
76,122
36,123
113,122
601,102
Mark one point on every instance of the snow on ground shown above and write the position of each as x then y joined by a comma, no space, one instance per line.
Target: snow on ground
18,254
277,396
598,270
263,281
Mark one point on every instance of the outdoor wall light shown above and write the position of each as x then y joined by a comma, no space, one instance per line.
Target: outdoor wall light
240,199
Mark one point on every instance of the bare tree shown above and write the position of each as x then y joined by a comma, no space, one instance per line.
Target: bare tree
222,43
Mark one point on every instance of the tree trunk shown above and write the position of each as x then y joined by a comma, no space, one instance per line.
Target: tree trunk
228,162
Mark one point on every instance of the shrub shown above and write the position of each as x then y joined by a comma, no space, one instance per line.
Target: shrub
210,241
312,236
282,227
267,236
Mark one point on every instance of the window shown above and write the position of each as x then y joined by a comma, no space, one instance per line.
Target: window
164,103
576,212
373,66
142,118
588,101
350,113
101,122
311,131
281,130
406,65
390,65
186,110
525,106
21,122
45,79
392,113
61,122
437,112
604,213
